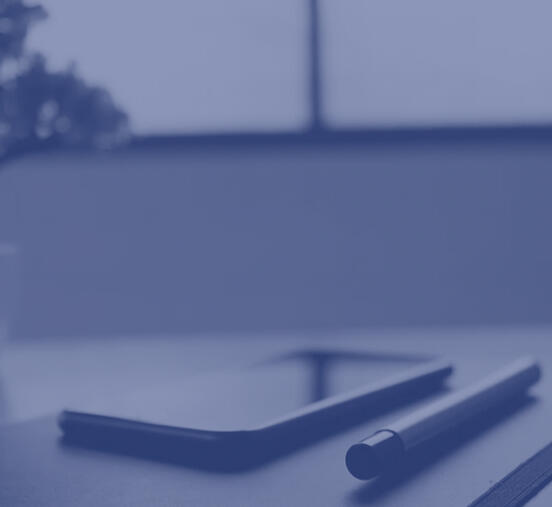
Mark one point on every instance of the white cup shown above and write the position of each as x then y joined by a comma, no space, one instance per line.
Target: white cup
9,278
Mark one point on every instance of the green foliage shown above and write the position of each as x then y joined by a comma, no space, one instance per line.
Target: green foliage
15,20
41,108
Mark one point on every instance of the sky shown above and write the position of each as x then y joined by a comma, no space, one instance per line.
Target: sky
226,65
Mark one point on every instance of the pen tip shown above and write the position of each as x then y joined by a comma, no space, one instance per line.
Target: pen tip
375,455
362,462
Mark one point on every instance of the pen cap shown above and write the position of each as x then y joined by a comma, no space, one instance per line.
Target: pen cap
374,455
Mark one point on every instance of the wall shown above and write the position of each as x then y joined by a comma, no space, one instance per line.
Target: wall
276,236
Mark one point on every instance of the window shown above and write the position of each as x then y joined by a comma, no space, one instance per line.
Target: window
243,65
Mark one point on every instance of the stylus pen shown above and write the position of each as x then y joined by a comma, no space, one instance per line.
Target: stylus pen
377,453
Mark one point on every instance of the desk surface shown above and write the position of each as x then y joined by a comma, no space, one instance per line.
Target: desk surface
40,377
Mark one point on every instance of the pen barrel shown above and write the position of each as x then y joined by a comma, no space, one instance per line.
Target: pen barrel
382,450
457,408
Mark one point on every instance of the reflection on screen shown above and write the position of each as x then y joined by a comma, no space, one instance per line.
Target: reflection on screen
246,399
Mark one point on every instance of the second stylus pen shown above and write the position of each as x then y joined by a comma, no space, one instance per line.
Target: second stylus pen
386,447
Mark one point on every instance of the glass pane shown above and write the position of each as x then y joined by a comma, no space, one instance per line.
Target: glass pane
398,62
194,65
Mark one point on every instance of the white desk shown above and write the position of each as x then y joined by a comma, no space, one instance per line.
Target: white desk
39,378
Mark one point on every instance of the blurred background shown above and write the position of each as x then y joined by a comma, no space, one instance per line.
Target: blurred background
252,166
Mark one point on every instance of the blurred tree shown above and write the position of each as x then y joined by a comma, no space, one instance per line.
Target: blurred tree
40,108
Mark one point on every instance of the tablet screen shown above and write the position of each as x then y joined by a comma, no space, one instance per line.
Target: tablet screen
252,397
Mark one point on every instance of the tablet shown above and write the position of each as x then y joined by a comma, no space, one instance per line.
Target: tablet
240,417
